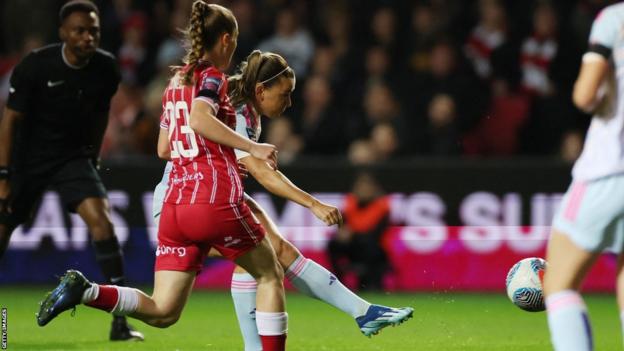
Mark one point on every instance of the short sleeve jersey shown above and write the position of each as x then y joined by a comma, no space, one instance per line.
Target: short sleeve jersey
603,152
248,125
65,107
203,171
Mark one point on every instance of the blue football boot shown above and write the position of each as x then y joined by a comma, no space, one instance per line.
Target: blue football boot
65,296
378,317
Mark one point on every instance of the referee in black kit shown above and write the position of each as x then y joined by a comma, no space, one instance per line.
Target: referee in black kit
50,136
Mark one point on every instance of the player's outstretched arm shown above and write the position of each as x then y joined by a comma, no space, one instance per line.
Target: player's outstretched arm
204,122
278,184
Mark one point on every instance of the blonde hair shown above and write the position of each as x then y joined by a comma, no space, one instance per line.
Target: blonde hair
208,22
259,67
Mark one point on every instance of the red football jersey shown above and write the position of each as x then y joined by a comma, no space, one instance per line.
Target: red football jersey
203,171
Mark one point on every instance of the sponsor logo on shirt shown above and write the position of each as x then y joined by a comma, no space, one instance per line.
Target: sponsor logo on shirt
230,241
197,176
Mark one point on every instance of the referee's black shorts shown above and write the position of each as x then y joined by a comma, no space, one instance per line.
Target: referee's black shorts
74,180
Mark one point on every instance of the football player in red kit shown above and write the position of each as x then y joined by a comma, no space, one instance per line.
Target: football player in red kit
204,205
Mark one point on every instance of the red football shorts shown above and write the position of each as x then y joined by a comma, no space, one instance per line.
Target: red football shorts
187,232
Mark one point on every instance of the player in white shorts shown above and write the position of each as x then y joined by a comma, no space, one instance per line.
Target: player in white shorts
263,87
590,219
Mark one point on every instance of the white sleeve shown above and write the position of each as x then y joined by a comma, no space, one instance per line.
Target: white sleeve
241,128
605,32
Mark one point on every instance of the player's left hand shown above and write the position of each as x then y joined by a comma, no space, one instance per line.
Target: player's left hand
330,215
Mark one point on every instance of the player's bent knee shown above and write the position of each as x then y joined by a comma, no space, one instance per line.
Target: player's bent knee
277,273
165,319
273,275
164,322
286,253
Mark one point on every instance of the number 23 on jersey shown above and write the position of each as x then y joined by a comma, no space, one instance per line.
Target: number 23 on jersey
179,148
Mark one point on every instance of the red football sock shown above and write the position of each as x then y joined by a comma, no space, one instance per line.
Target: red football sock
273,342
107,298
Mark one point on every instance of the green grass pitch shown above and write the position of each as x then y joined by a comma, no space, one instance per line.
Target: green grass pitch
442,321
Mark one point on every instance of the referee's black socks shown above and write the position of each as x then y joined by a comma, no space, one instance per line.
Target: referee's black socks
109,258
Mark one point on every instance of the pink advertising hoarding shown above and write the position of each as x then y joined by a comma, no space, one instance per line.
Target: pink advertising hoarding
434,257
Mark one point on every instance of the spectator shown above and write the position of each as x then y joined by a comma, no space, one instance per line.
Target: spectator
357,245
489,34
281,134
384,31
380,105
338,30
442,128
538,52
171,51
245,13
385,140
498,134
291,41
126,108
132,53
323,62
424,29
362,153
547,62
447,75
321,125
377,70
345,60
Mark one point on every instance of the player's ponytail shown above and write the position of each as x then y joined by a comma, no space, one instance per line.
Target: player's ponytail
208,22
241,85
264,68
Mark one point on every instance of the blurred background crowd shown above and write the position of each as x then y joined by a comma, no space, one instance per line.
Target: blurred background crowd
376,80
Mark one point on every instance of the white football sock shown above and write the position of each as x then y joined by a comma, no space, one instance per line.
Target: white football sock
570,329
128,301
91,293
272,323
243,291
313,280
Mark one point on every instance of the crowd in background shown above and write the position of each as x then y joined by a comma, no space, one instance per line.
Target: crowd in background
376,80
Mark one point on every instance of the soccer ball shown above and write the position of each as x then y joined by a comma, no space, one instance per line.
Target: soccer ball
524,284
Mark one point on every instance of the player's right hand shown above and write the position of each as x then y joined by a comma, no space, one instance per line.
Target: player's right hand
265,152
329,214
5,192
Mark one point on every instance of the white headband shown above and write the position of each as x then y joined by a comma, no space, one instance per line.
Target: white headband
277,75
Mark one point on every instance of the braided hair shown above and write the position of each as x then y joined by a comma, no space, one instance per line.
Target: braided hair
208,22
